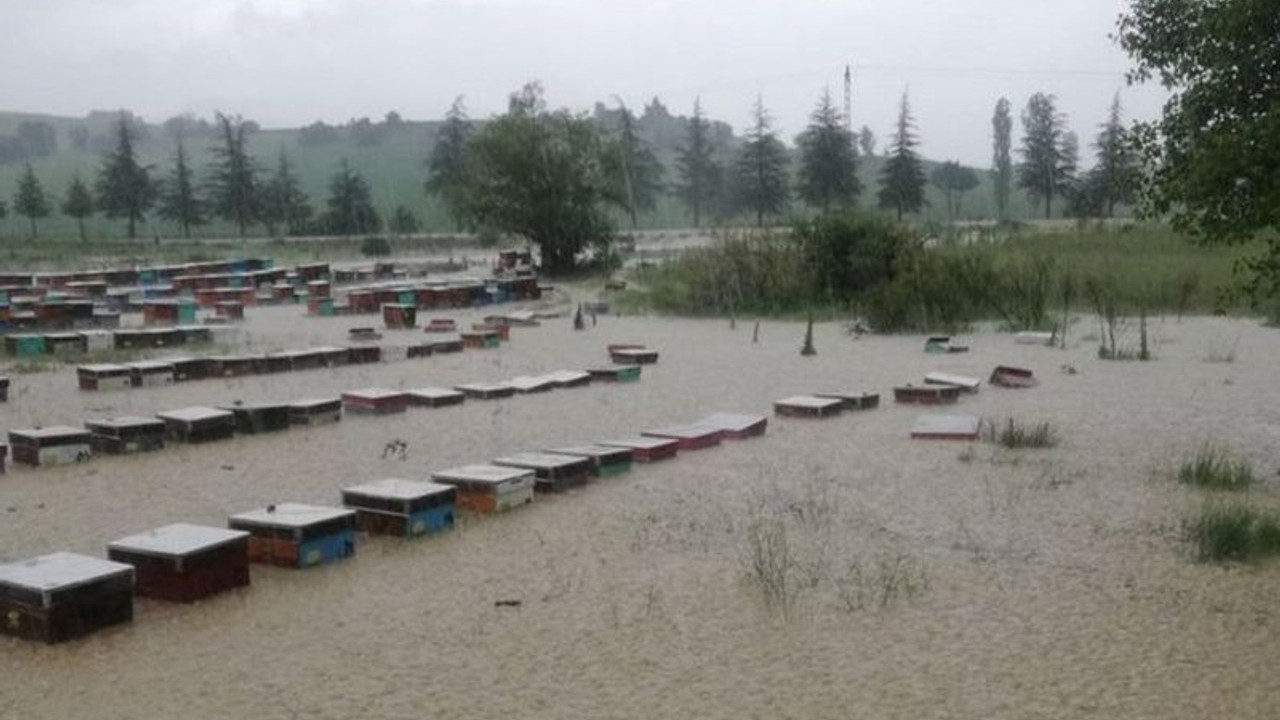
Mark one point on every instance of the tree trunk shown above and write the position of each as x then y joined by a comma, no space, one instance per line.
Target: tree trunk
33,226
80,223
133,227
759,218
697,214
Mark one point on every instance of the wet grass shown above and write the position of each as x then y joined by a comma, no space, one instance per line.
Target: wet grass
1213,467
1016,435
1235,532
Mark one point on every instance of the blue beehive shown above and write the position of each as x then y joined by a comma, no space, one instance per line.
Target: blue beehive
404,508
298,535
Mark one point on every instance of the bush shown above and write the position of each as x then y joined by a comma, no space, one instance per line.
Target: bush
1213,467
375,246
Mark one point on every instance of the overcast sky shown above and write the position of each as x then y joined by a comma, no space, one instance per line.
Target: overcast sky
289,62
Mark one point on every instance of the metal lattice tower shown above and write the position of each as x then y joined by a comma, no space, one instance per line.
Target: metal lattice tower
848,98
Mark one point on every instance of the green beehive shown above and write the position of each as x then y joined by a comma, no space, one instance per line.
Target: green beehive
406,297
186,313
24,345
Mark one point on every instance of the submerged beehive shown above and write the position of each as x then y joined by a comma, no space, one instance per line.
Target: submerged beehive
926,395
104,376
690,437
56,445
489,488
486,390
633,355
606,460
254,418
647,449
298,535
1012,377
736,426
814,406
554,472
63,596
198,424
121,435
569,378
184,562
964,382
945,427
398,316
615,373
404,508
853,401
526,384
435,397
480,339
315,411
375,401
151,373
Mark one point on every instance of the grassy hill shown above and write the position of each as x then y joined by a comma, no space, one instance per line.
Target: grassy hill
390,154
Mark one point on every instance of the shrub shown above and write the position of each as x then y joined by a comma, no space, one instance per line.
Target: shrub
1213,467
374,246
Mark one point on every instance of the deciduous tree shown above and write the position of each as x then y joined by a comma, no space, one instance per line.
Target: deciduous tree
954,180
1001,157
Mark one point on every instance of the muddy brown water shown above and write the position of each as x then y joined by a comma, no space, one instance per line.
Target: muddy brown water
1048,583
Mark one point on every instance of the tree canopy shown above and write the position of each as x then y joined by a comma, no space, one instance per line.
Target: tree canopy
446,168
125,189
902,176
350,206
1212,154
696,167
642,171
78,203
1048,161
954,180
233,184
760,170
284,204
30,201
179,202
828,159
1001,160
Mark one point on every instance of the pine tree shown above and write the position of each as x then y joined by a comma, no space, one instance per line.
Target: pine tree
760,171
30,201
233,186
902,177
446,169
78,204
125,189
1116,169
1001,161
642,171
403,221
696,166
178,200
351,209
828,159
283,201
1046,167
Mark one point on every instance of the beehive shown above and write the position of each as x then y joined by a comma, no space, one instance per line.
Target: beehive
184,562
404,508
63,596
298,535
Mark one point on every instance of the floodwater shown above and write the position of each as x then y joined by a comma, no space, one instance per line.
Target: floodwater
925,579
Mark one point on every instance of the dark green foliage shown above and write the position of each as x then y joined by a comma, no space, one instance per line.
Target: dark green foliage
1234,531
849,253
1048,158
30,201
233,182
642,171
77,204
760,169
125,189
1001,160
902,175
1016,435
548,177
350,207
446,169
696,167
178,200
1213,467
403,221
283,201
1212,153
1115,178
828,160
954,180
374,246
1015,288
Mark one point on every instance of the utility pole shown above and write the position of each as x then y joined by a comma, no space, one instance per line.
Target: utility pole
848,99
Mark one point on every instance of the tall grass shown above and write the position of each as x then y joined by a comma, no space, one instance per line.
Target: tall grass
1212,466
1015,434
1235,532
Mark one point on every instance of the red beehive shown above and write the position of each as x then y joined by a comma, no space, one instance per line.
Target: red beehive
375,401
184,562
690,437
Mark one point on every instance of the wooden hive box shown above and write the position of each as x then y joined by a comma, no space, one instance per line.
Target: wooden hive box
399,316
435,397
853,401
364,354
526,384
282,292
943,344
690,437
163,337
310,359
253,418
320,306
439,347
502,329
229,309
189,368
64,344
633,356
964,382
104,376
945,427
418,350
645,448
55,445
151,373
486,390
318,288
123,435
362,301
1012,377
24,345
554,472
606,460
231,365
315,411
1033,338
198,424
480,339
403,508
736,426
926,394
489,488
440,325
375,401
188,334
297,535
63,596
4,388
97,340
184,562
615,373
519,318
331,356
272,363
569,378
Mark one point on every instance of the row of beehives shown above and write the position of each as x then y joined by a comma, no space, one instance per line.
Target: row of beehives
86,280
86,341
428,295
64,444
939,388
65,595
